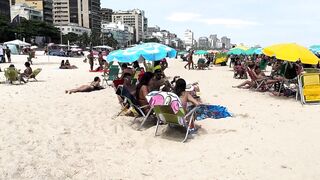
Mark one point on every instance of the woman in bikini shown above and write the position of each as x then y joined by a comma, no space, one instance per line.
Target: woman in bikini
94,86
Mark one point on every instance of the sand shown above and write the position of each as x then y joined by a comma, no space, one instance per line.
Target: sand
47,134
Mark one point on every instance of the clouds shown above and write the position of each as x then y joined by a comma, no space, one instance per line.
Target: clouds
194,17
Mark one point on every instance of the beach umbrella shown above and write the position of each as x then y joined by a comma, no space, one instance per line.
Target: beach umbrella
33,47
236,51
291,52
315,48
201,52
253,51
148,51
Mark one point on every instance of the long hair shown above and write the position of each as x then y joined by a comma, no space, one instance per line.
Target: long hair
144,81
180,87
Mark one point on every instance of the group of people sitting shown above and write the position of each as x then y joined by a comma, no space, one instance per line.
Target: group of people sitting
156,81
66,65
283,74
22,76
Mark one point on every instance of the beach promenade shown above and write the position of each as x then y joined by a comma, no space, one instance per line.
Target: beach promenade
47,134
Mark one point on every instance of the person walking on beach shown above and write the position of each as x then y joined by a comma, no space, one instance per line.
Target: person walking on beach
2,59
190,60
8,53
91,58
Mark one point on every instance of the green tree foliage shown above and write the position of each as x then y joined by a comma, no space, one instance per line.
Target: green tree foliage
155,40
26,29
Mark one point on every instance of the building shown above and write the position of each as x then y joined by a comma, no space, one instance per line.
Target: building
106,15
85,13
226,42
45,6
203,43
213,41
134,18
61,15
189,38
5,8
122,33
25,11
73,28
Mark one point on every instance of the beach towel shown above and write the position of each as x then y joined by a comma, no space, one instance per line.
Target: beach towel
211,112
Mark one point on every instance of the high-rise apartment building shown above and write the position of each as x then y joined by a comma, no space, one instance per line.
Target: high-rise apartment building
61,14
106,15
5,8
188,38
135,18
45,6
203,43
85,13
226,42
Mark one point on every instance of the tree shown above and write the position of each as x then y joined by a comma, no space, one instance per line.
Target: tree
84,39
71,37
154,39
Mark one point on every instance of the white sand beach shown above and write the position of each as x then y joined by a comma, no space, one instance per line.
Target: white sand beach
47,134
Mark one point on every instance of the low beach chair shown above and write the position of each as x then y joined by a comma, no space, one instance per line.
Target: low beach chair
309,88
165,114
130,101
34,74
11,75
259,83
111,75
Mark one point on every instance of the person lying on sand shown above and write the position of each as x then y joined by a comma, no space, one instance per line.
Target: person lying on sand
94,86
69,66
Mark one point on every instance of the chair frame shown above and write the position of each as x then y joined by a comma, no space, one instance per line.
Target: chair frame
301,90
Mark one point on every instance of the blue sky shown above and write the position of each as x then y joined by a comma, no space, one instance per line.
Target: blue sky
244,21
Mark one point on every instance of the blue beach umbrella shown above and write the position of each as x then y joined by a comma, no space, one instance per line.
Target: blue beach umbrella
201,52
149,51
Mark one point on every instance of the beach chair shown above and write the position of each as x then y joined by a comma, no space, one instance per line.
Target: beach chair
311,70
259,83
130,101
34,74
166,115
309,88
11,75
111,75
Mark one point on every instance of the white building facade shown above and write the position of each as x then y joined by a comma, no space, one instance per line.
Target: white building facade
73,28
134,18
189,38
24,11
122,33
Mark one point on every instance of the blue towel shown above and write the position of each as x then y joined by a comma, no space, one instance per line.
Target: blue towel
211,112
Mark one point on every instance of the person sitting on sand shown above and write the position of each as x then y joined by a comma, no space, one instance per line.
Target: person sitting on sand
26,73
69,66
94,86
62,65
143,90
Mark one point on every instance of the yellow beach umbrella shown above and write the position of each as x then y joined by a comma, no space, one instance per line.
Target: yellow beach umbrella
291,52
